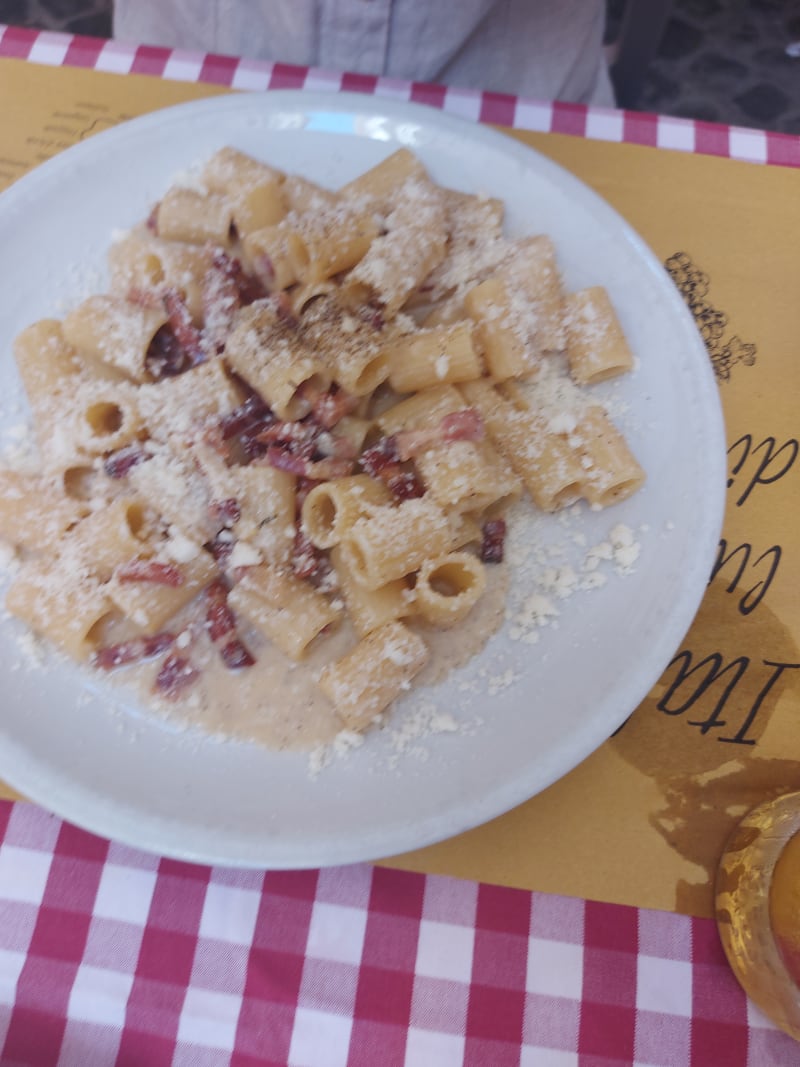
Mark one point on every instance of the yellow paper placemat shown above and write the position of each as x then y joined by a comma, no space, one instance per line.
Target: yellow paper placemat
642,821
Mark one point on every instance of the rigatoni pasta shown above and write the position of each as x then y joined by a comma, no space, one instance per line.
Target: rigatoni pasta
433,356
254,191
364,682
295,421
64,605
193,217
596,345
288,611
111,333
448,587
368,608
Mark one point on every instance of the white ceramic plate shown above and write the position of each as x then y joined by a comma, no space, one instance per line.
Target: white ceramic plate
543,707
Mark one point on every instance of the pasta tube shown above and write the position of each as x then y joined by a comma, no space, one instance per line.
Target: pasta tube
254,189
264,501
34,513
424,408
171,486
391,542
274,254
113,333
107,538
194,217
449,587
368,609
105,418
596,345
467,476
380,183
66,607
331,508
533,272
189,402
459,475
475,243
289,612
352,350
149,605
332,242
399,261
140,265
550,468
498,332
611,471
271,357
364,682
305,196
429,357
44,360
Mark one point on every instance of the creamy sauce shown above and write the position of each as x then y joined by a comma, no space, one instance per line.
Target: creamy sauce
276,702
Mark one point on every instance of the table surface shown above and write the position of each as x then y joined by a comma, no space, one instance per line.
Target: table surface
113,956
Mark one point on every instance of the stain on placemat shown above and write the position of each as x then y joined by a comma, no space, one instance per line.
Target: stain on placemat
697,733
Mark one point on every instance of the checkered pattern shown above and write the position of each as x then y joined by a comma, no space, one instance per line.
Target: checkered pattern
109,956
685,135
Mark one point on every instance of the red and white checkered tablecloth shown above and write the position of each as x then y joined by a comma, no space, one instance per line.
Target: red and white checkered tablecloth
661,131
109,956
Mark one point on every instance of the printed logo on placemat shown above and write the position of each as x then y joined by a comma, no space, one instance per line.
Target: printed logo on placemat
693,285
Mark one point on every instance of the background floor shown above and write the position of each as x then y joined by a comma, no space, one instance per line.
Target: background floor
721,60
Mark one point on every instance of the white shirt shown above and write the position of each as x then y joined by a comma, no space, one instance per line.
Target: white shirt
548,49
